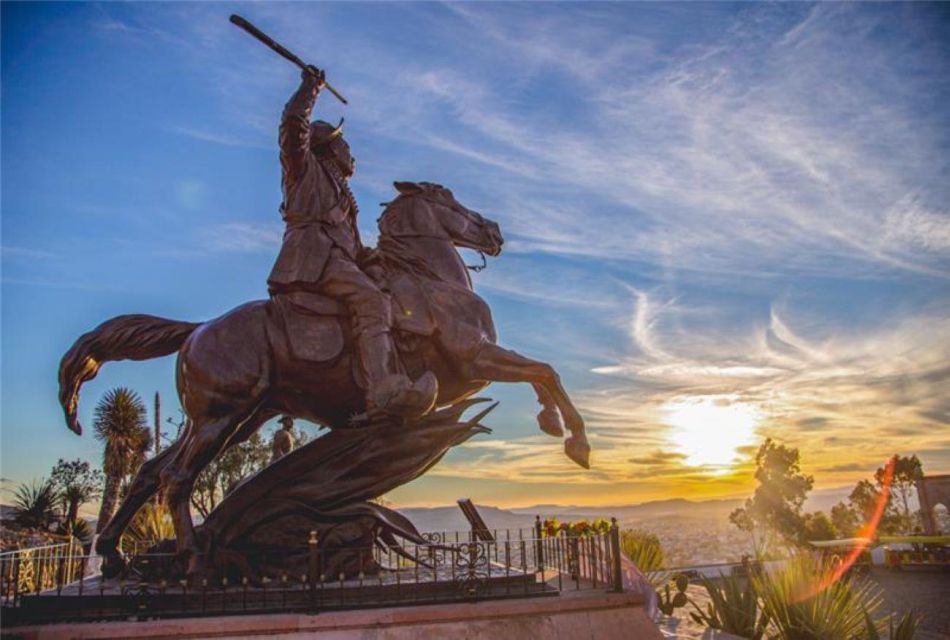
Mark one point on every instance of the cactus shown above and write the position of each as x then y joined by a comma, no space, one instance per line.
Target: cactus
669,601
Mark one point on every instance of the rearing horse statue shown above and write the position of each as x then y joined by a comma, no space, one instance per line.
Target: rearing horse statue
243,368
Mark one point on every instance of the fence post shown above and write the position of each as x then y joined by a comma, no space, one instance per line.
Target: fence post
315,569
616,576
538,544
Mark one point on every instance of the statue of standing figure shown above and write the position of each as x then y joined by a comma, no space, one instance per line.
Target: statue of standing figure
283,442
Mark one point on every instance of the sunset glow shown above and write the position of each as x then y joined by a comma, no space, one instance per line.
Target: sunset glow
708,429
722,222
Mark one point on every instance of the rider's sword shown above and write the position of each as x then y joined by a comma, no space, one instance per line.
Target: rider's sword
263,37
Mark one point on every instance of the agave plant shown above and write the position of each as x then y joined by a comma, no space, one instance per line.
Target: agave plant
804,602
34,505
733,607
906,628
77,528
152,524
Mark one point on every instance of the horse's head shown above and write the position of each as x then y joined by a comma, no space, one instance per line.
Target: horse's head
428,210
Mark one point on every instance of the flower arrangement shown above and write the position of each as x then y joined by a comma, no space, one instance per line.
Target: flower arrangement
551,528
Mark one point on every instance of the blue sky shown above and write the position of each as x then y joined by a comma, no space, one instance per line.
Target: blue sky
723,221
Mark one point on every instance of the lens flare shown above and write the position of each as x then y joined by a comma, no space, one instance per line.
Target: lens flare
834,574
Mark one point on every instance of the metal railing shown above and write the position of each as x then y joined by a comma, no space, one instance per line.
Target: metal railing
39,569
451,566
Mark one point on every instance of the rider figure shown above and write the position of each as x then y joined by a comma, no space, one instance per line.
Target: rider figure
322,248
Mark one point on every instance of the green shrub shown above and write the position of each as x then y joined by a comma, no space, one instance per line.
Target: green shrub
644,549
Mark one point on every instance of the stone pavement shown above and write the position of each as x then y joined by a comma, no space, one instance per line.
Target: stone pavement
925,590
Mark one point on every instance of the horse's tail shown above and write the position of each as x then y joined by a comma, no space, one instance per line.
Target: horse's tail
130,337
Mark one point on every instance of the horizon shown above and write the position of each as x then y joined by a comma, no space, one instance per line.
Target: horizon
723,222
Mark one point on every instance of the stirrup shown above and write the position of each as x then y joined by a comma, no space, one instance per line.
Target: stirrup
397,396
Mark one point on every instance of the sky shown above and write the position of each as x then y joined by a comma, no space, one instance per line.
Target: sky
723,222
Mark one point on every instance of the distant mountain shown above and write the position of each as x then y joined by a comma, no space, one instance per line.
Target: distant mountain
679,507
451,518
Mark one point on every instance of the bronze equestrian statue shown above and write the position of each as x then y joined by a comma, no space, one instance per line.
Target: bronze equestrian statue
332,342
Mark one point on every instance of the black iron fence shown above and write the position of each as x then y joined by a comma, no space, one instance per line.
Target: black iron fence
450,567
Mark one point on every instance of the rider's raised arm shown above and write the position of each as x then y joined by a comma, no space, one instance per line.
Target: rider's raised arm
295,123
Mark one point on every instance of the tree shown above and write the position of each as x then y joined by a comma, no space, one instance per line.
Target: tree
864,499
776,504
844,519
34,505
818,526
228,469
742,520
120,424
862,504
77,483
224,472
907,472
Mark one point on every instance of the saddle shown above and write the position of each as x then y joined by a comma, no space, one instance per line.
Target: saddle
314,324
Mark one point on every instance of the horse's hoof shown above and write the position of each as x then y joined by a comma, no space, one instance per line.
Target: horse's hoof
112,565
578,451
550,422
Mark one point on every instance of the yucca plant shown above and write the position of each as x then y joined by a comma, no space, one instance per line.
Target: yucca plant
733,607
120,425
804,602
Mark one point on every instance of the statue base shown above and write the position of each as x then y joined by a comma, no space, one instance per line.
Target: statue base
572,615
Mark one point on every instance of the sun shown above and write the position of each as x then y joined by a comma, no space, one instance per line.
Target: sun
709,429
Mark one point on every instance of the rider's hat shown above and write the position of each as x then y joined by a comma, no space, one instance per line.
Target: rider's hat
323,133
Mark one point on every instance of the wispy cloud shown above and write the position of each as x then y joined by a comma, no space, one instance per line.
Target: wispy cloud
650,166
26,253
243,237
222,138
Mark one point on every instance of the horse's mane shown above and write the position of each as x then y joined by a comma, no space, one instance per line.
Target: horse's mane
393,250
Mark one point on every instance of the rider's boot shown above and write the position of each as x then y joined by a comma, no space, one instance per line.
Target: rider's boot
388,391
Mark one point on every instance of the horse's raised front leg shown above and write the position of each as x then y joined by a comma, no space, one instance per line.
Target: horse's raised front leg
497,364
